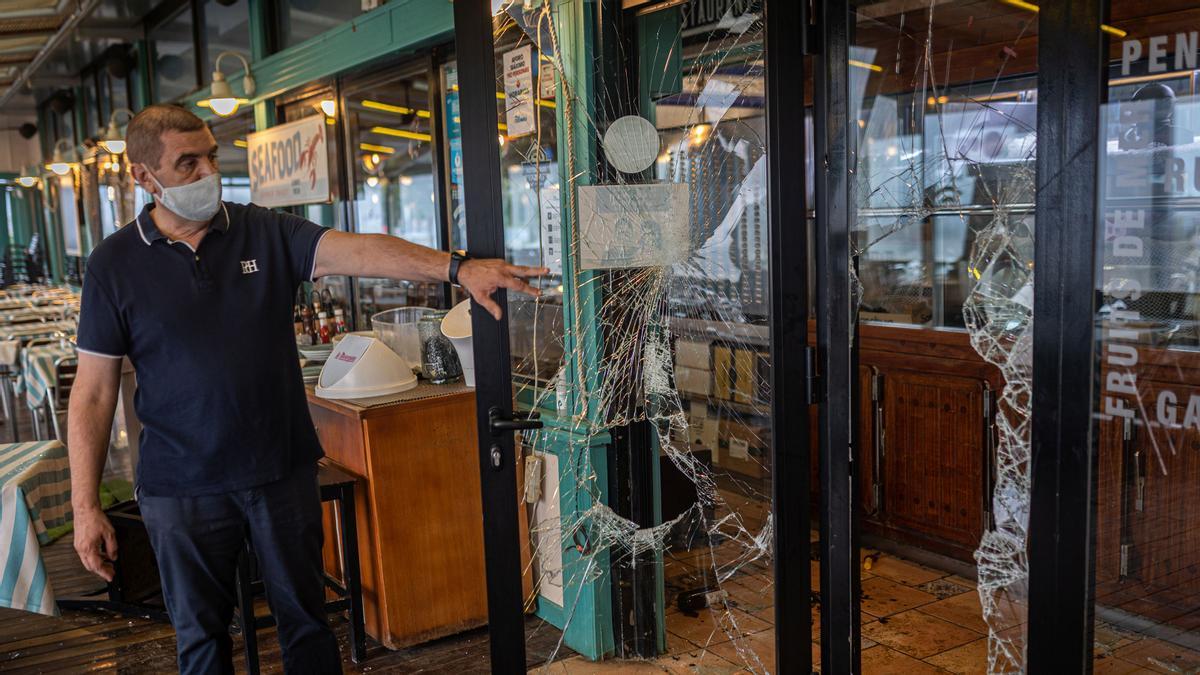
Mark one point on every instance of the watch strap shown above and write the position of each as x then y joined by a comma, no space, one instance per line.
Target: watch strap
456,260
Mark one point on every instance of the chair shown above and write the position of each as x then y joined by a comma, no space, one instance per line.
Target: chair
338,487
39,423
59,396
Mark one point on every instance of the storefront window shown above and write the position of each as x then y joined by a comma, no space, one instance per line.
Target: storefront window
227,28
391,150
304,19
1148,349
231,154
943,103
323,102
173,58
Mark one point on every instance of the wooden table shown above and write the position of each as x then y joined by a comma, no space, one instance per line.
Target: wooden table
419,510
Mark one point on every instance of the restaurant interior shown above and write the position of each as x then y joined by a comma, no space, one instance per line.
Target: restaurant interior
639,158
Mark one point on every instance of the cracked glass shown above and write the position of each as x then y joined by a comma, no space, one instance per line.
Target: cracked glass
943,96
642,185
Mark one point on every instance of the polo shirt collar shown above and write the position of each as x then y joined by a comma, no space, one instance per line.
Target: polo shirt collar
150,232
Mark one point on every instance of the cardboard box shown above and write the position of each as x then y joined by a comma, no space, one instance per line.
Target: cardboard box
723,373
693,380
744,449
693,354
744,385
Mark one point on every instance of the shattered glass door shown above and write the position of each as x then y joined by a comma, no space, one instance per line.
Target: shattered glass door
633,165
1148,345
943,97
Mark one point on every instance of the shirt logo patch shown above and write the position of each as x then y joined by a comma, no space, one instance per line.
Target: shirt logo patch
249,266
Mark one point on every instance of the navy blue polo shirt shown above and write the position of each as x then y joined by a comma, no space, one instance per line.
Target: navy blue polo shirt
210,334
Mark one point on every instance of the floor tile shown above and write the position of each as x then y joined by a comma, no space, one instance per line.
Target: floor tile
944,588
1111,665
704,630
918,635
961,581
883,661
882,597
1109,638
904,571
755,652
963,609
969,658
1160,656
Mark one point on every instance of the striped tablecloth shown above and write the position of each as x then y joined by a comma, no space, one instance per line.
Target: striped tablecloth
35,497
37,371
11,335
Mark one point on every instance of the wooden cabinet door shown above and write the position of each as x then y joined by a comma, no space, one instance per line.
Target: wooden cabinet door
1165,532
933,460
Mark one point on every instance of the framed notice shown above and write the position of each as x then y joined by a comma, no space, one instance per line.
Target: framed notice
68,213
289,164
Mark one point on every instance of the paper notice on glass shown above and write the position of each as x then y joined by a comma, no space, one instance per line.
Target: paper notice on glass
518,92
623,226
551,218
546,530
546,84
739,449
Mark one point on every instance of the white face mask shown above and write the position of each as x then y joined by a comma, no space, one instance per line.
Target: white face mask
198,201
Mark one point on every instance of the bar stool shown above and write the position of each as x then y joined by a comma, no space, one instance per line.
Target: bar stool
336,486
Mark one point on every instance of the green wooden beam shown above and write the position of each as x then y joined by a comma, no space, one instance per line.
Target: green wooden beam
401,25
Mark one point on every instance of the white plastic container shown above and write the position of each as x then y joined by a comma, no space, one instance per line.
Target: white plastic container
364,367
457,327
398,330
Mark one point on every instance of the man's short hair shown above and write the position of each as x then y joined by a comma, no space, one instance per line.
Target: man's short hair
143,137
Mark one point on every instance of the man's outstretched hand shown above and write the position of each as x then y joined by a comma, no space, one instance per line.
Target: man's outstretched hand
480,278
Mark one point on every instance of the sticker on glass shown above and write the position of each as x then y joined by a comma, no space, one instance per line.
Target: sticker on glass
631,144
633,225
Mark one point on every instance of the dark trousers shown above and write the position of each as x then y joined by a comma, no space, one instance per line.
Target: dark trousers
196,541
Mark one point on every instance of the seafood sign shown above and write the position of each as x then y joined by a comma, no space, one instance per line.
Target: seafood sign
289,164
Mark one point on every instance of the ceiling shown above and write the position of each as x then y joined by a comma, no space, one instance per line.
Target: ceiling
28,27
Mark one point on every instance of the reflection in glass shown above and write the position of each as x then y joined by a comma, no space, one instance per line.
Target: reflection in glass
944,104
1147,343
391,151
304,19
174,54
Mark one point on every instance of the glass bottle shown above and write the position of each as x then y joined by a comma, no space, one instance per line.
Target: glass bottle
323,328
339,322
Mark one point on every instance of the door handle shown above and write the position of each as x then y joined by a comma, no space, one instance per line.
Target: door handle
500,422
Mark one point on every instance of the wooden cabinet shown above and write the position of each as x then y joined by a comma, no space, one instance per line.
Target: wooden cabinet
925,438
418,508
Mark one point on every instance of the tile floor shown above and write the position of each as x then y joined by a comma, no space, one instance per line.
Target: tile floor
916,620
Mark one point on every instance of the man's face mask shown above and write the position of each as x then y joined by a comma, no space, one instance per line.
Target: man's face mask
198,201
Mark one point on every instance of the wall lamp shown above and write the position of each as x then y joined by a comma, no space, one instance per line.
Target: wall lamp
29,178
60,165
221,99
113,141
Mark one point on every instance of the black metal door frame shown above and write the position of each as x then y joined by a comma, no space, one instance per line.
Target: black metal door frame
1072,86
834,142
790,397
493,380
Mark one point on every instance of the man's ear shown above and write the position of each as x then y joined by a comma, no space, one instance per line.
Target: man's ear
139,173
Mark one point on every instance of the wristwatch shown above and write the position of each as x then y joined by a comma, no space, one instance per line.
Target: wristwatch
457,258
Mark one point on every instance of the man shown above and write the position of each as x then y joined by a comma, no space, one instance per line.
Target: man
197,293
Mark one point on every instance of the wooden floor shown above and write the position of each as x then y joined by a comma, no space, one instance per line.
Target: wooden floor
85,642
104,642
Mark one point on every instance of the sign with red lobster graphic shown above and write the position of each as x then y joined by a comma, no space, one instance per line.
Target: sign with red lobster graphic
289,164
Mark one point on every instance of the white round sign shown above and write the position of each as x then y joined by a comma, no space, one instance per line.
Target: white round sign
631,144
